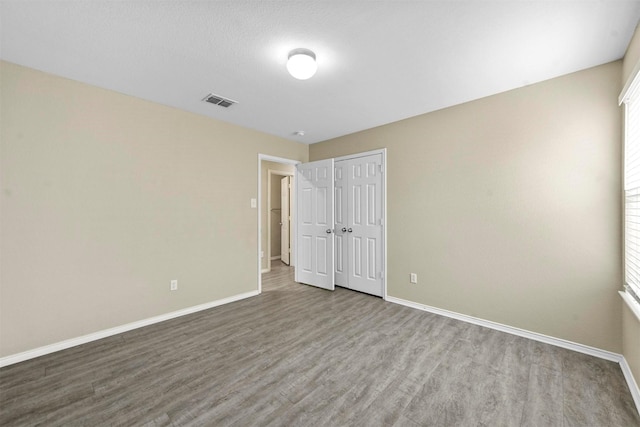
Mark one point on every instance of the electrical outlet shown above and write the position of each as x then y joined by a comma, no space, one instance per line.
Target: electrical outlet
413,278
174,285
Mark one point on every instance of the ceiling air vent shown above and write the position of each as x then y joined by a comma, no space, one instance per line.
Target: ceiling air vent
212,98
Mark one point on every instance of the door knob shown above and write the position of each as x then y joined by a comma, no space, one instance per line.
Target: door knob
344,229
328,231
350,230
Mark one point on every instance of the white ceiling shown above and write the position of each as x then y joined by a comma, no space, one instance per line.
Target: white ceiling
378,61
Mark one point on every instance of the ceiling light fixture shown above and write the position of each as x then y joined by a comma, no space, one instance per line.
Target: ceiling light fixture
302,63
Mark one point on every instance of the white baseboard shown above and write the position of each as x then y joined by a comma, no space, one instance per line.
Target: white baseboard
580,348
631,382
273,258
265,270
62,345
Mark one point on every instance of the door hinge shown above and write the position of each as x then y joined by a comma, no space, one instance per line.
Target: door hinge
381,221
381,275
380,167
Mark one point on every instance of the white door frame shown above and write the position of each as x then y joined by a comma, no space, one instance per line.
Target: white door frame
270,173
383,152
274,159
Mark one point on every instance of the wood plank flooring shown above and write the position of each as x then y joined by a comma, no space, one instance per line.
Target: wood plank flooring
301,356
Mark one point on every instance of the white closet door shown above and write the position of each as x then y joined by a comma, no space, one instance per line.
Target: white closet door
314,218
364,224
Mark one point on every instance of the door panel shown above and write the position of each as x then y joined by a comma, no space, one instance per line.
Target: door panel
356,256
306,218
341,242
305,259
321,255
321,206
356,205
315,247
371,204
372,266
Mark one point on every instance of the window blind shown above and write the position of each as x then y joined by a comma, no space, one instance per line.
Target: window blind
632,189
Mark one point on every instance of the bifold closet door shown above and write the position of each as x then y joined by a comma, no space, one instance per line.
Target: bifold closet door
358,187
314,218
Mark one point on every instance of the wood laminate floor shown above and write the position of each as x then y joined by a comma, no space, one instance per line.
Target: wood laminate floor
301,356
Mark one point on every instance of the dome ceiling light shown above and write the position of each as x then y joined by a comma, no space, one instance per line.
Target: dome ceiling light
302,63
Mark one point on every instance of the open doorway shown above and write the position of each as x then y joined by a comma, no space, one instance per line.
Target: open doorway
273,223
279,235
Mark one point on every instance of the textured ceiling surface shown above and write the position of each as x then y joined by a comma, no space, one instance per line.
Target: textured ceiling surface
378,61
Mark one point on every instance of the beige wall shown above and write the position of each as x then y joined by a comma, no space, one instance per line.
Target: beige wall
508,207
265,167
632,56
106,198
631,340
631,324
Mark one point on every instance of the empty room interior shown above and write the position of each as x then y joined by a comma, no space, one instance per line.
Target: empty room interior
376,213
